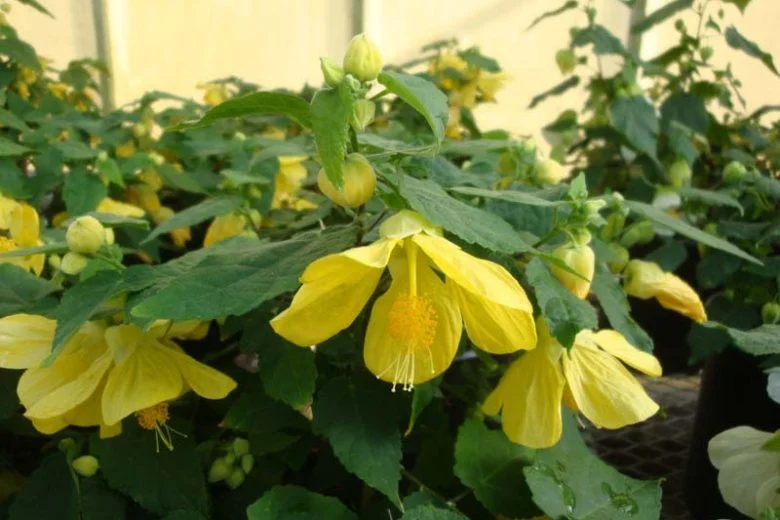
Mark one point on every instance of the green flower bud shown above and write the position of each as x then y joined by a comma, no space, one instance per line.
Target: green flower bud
362,58
332,73
73,263
594,207
109,236
566,60
770,313
353,83
706,53
637,234
615,224
734,172
549,171
581,260
219,470
139,130
359,182
619,258
229,458
363,113
680,173
235,479
66,445
85,235
239,136
247,463
102,156
54,261
86,465
240,447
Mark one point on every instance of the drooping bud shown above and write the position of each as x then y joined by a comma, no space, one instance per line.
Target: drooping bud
219,470
647,280
550,171
363,113
358,186
362,58
85,235
240,446
86,465
235,479
332,73
73,263
639,233
579,257
680,173
566,60
734,172
770,313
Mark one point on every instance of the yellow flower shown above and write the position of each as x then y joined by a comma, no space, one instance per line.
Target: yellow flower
415,327
215,94
125,150
288,183
224,227
180,236
20,222
647,280
489,83
588,377
115,207
448,61
103,374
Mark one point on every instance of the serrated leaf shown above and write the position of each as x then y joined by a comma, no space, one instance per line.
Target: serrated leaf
20,289
49,494
232,277
298,503
82,191
471,224
678,226
490,464
635,118
392,146
353,415
565,314
760,341
711,198
9,148
564,86
686,109
604,42
568,481
570,4
421,95
198,213
162,481
330,113
287,371
660,15
518,197
615,305
740,43
254,104
255,412
98,502
429,512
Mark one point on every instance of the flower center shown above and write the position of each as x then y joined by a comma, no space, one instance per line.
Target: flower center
153,417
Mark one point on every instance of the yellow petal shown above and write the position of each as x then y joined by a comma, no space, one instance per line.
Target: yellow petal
143,376
190,329
25,340
617,345
224,227
406,223
680,297
115,207
289,160
335,289
391,357
25,227
202,379
49,426
605,392
6,208
530,393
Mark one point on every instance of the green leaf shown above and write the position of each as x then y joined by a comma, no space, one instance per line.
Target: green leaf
565,314
519,197
686,109
256,412
98,502
471,224
564,86
490,464
475,58
392,146
760,341
37,6
330,113
660,15
57,248
20,289
429,512
110,170
113,220
635,118
288,372
82,191
568,481
78,304
669,256
353,415
678,226
613,301
422,396
11,120
256,103
161,480
234,276
604,42
570,4
21,52
198,213
299,504
711,198
766,185
10,148
740,43
74,150
741,4
50,493
421,95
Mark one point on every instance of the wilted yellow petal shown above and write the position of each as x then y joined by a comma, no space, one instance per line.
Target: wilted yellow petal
25,340
224,227
614,343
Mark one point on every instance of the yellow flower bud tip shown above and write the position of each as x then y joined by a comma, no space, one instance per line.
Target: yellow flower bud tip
332,73
219,470
240,446
73,263
550,171
247,463
85,235
86,465
359,182
362,59
581,260
235,479
363,113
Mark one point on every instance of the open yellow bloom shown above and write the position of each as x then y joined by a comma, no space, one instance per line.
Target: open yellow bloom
20,229
588,377
415,327
647,280
288,183
489,83
103,374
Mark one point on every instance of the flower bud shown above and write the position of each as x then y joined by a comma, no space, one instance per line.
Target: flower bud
770,313
139,130
614,226
619,258
66,445
550,171
581,260
85,235
594,207
235,479
229,458
359,183
240,446
109,236
680,173
566,60
219,470
86,465
247,463
647,280
102,156
73,263
362,58
363,113
706,53
639,233
332,73
54,261
734,172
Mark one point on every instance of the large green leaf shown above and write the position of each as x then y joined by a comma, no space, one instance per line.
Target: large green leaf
678,226
635,118
51,493
232,277
253,104
741,4
490,464
198,213
82,191
740,43
330,113
471,224
422,95
604,42
520,197
299,504
569,4
429,512
11,120
255,412
686,109
568,481
75,150
20,290
355,416
660,15
161,480
613,301
21,52
10,148
760,341
564,86
565,314
98,502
